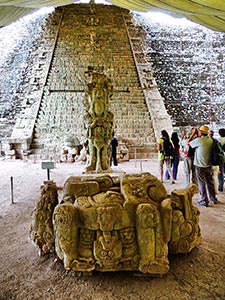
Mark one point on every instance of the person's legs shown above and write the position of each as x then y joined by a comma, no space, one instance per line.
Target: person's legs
210,184
176,161
187,170
215,170
168,165
161,162
114,159
167,175
221,178
193,172
200,175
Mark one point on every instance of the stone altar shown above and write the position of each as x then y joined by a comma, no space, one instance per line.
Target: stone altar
109,222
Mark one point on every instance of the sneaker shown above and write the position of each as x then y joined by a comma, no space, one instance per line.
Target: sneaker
173,182
202,203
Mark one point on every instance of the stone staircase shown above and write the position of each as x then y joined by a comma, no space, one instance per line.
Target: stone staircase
101,37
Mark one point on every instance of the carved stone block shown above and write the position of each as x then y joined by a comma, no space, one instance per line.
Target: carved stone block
116,224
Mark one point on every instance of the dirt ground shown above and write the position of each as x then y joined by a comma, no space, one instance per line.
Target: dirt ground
24,275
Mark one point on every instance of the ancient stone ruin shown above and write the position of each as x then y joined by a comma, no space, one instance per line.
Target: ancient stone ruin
99,122
111,222
76,37
151,65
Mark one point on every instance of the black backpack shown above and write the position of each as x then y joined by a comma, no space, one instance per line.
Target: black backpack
217,154
168,148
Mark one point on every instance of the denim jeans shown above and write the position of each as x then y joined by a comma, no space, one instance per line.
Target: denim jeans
176,160
174,164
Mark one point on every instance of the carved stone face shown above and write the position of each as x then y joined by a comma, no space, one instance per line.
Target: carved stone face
100,89
127,235
63,217
86,236
149,218
106,218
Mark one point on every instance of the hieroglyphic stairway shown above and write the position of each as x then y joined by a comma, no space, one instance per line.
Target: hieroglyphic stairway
105,38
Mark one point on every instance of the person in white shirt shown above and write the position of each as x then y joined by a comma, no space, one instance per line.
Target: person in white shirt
188,157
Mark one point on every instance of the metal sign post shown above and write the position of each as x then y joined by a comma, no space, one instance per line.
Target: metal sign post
47,165
11,180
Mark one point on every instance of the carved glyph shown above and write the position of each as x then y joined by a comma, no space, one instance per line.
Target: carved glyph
41,231
119,223
98,122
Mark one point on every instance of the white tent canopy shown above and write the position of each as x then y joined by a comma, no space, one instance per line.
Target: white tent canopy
209,13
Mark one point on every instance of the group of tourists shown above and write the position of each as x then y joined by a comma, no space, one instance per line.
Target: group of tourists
197,148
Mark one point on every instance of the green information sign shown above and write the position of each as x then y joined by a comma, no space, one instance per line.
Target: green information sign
47,165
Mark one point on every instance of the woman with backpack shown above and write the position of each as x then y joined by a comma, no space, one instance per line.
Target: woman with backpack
176,156
165,154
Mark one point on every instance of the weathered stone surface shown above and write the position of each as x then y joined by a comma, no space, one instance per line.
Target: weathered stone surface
79,188
99,122
88,185
54,98
41,231
133,228
185,216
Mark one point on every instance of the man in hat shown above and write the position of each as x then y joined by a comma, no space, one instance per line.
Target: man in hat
202,145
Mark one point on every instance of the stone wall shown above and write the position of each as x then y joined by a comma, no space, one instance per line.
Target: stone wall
188,65
19,44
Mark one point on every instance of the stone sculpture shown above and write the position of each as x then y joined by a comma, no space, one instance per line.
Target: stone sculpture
41,231
98,122
117,223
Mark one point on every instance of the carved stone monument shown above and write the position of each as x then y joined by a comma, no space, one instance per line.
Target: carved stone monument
116,223
109,222
98,122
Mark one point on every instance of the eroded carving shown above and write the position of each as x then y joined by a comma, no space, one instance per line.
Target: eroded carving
127,222
41,231
98,122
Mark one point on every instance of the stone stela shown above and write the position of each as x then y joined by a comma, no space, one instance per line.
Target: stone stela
99,122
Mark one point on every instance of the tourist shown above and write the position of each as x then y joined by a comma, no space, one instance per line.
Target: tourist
114,145
215,169
165,154
188,158
221,139
176,156
203,145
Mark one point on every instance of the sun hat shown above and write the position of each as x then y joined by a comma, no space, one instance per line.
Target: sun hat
204,129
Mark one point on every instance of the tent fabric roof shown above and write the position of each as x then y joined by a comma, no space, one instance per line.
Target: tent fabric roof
209,13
